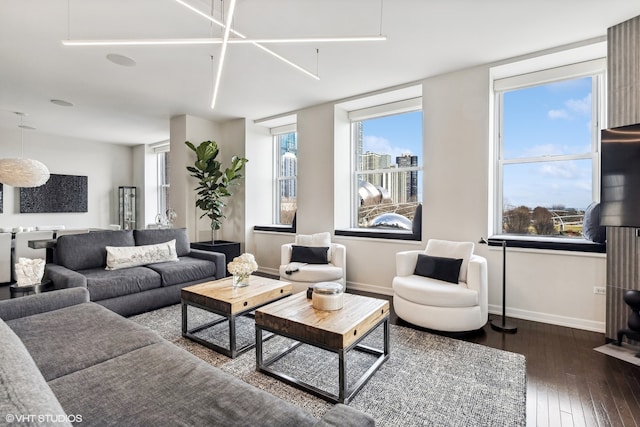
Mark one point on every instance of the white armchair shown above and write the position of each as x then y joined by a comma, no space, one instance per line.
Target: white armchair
305,274
440,305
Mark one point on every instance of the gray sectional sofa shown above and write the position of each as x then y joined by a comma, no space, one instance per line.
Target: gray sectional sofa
65,359
80,261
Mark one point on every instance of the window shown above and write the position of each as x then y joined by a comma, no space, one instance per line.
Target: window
387,166
163,182
286,170
547,150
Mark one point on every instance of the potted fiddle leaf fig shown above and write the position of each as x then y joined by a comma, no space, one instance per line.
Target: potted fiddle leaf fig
213,181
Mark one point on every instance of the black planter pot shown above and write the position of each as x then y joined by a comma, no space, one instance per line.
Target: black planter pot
229,249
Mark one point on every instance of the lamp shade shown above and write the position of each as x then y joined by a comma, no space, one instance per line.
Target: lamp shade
23,172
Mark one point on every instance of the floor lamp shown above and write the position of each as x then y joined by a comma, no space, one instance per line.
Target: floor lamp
502,325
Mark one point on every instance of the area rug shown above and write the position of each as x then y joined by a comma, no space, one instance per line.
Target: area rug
625,352
429,380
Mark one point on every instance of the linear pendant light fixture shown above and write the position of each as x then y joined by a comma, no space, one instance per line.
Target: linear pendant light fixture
214,41
223,53
21,172
226,40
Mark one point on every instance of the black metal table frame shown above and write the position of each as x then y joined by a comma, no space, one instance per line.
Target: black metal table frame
232,351
344,395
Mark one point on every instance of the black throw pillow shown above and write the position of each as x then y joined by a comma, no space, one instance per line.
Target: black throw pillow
435,267
310,254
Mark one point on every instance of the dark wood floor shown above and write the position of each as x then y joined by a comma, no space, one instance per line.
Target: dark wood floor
568,383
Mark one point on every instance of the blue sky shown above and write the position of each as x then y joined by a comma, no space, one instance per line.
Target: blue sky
548,120
395,135
541,121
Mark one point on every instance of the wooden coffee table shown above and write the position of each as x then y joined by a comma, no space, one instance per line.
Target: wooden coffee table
338,331
221,298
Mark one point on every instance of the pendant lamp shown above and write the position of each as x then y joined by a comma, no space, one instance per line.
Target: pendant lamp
23,172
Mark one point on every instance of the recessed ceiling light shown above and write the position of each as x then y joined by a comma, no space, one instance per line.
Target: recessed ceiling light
61,102
125,61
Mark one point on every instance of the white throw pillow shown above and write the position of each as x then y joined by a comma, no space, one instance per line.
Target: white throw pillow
315,240
132,256
448,249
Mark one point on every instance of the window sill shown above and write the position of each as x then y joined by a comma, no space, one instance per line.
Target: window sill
548,243
378,234
275,228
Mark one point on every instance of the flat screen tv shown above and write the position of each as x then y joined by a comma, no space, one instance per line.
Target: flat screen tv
620,183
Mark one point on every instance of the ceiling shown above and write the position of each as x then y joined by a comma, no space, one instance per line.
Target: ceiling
133,105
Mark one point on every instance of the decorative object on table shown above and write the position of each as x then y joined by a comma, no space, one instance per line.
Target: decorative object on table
21,172
127,207
241,267
160,221
61,193
171,217
213,181
502,325
327,296
29,271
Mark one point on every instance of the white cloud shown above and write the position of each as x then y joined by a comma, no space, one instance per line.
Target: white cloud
573,107
544,150
580,106
565,170
558,114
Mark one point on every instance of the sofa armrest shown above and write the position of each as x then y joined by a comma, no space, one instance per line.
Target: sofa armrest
406,262
41,303
285,253
345,416
63,278
477,274
218,258
338,255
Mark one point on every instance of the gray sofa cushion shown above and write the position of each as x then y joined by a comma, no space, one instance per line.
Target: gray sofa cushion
163,385
187,269
23,390
87,250
22,307
153,237
77,337
103,284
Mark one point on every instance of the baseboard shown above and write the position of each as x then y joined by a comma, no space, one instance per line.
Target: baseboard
382,290
553,319
270,271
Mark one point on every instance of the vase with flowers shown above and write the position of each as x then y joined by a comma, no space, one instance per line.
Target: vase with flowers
241,267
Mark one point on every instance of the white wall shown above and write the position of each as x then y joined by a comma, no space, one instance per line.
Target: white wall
233,144
107,166
549,286
183,197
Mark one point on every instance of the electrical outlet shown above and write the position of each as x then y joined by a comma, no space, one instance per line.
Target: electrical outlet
599,290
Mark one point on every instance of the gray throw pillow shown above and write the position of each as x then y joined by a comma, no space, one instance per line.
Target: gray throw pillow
591,228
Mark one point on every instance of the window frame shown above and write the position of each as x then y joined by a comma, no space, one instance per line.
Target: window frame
403,106
276,226
163,186
594,68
